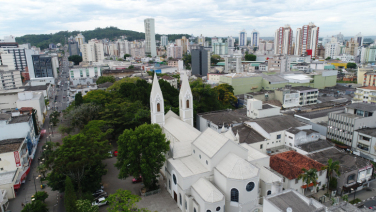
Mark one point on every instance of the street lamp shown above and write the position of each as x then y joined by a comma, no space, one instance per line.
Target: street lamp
35,184
52,130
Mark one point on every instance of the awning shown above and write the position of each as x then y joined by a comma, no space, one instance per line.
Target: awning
305,186
17,186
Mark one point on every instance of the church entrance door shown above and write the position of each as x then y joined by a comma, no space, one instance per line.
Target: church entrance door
175,197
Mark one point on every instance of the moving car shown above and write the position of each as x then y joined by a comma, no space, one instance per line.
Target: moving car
99,202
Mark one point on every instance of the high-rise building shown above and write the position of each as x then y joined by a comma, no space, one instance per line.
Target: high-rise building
19,58
340,38
92,51
175,51
307,41
8,39
164,40
214,40
73,48
283,40
255,38
243,38
332,48
352,47
200,61
220,48
42,66
80,39
183,42
359,39
230,41
201,40
9,79
150,46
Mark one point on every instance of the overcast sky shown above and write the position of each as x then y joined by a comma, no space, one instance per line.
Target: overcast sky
207,17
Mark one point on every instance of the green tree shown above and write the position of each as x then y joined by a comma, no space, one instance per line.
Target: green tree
345,198
103,79
35,206
351,65
123,200
332,167
309,176
85,206
215,59
54,117
255,49
127,55
42,168
250,57
142,153
41,196
131,67
99,97
205,98
81,115
187,59
78,100
328,58
70,196
75,58
226,95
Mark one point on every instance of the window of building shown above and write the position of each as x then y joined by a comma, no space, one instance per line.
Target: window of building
269,192
185,203
260,146
169,184
174,178
250,186
206,162
194,210
351,179
194,151
200,156
87,72
208,210
279,136
218,208
181,202
296,181
187,103
290,137
158,107
369,171
234,195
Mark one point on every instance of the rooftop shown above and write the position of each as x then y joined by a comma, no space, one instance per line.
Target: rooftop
277,123
5,116
188,166
35,88
235,167
226,116
368,87
303,88
347,161
290,164
315,145
210,142
274,78
19,119
368,131
7,177
319,113
362,106
207,191
167,77
295,201
247,134
10,145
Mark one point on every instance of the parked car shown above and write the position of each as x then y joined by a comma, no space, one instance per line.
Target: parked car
137,180
104,194
100,202
115,153
110,154
97,192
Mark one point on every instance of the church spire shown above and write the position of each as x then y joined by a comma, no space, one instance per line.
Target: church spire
156,103
186,101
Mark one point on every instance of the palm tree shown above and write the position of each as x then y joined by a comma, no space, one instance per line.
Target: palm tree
309,176
331,167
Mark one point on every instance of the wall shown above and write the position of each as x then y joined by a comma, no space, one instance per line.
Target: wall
8,100
321,82
243,85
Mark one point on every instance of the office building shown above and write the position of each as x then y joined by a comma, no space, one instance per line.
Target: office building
150,47
8,39
359,39
255,38
42,66
243,38
73,48
80,39
175,52
164,40
352,47
18,56
201,40
306,40
230,41
283,40
332,48
200,61
9,79
340,38
92,51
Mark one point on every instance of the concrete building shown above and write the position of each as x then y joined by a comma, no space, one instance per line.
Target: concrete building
80,39
255,109
150,46
175,52
138,52
352,47
220,48
9,79
366,94
230,41
307,39
183,42
201,40
164,40
364,142
340,38
83,75
92,51
16,57
283,40
359,39
243,38
42,67
332,48
200,61
73,48
341,126
33,100
172,80
255,38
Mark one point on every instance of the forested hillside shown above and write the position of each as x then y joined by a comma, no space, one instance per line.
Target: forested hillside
43,40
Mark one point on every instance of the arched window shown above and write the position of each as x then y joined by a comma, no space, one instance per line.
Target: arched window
180,199
174,178
218,208
187,103
158,107
269,192
250,186
194,210
234,195
208,210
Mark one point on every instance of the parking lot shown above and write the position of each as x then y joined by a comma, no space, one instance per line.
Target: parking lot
161,202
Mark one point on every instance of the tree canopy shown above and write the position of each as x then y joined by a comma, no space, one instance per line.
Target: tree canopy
142,153
124,200
250,57
75,58
35,206
103,79
351,65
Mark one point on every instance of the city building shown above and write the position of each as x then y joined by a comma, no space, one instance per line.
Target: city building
183,42
366,94
283,40
92,51
307,39
359,39
255,38
340,38
73,48
9,79
8,39
220,48
35,100
164,40
42,67
175,51
341,126
230,41
332,48
172,80
352,47
80,39
176,63
243,38
201,40
83,75
138,52
16,57
364,142
150,46
200,61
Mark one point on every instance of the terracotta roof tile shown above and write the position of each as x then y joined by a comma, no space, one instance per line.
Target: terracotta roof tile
369,87
290,164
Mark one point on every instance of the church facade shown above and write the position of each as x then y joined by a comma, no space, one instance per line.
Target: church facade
208,171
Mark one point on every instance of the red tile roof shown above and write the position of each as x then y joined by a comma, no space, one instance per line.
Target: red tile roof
290,164
369,87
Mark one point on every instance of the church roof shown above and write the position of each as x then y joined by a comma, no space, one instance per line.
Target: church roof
180,130
207,191
254,154
235,167
170,113
184,86
267,175
181,149
188,166
210,142
155,89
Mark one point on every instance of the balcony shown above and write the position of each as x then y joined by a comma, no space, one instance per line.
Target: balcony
357,99
372,95
359,94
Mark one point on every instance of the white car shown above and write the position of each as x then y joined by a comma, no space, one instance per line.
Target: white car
99,202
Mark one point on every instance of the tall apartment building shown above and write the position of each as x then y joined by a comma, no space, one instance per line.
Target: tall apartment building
183,42
332,48
220,48
92,51
80,39
42,66
138,52
255,38
150,46
368,54
306,40
73,48
283,40
19,57
366,94
352,47
175,51
230,41
9,79
340,38
201,40
243,38
359,39
164,40
341,126
200,61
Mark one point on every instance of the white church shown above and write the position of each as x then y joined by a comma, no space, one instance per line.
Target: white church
209,171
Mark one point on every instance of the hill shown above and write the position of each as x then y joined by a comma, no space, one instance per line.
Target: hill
112,33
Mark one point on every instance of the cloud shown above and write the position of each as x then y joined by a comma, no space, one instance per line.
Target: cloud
207,17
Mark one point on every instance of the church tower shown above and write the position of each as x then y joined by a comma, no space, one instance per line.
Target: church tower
157,103
186,101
